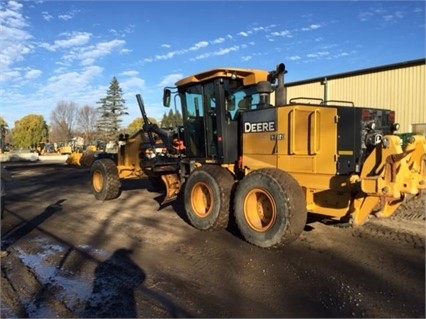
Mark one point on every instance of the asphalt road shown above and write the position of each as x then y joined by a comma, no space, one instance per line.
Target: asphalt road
73,256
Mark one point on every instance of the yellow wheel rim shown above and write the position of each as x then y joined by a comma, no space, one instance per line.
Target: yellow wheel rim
202,199
260,210
97,181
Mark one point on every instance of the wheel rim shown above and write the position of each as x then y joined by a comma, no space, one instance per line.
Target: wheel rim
260,210
202,199
97,181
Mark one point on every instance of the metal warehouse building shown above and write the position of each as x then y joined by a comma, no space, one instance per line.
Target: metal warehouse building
399,87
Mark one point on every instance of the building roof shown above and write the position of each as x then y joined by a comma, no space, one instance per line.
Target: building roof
361,71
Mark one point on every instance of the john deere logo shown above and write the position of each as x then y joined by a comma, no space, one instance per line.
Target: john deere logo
259,127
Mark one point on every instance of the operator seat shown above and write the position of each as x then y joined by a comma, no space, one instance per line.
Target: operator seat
243,105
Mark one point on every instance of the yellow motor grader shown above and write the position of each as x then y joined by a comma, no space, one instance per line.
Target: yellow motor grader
267,162
82,157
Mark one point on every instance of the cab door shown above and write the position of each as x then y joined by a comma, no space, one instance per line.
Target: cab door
193,119
211,107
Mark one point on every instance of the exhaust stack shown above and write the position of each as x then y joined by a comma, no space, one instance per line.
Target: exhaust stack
280,90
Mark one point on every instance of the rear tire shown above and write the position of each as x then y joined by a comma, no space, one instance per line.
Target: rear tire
270,208
105,181
207,197
87,159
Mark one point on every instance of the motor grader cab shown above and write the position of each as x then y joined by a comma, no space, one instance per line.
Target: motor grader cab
268,162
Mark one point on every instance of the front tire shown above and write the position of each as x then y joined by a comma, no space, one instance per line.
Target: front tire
207,197
270,208
105,181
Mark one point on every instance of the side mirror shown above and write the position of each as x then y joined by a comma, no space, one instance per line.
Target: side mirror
166,97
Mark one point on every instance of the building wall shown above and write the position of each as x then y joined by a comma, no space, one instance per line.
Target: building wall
400,87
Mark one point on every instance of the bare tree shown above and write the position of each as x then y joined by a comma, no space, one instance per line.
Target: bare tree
87,117
63,119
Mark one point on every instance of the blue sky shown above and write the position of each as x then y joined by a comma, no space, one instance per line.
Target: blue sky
53,51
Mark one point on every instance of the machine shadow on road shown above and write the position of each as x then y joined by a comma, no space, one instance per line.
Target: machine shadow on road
11,236
134,184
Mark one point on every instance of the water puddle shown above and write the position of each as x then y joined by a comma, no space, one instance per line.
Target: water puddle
66,287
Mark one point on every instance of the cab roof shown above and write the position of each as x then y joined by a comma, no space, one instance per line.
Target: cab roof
249,76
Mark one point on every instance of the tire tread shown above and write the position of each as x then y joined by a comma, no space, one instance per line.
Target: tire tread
112,184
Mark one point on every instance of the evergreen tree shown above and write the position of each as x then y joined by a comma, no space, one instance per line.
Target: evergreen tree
171,119
111,109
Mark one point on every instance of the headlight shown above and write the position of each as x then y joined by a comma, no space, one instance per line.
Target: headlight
395,127
371,125
386,142
149,153
411,139
373,139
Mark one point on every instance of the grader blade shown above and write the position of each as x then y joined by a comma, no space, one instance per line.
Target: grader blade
172,184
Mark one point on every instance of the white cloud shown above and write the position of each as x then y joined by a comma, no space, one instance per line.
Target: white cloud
87,55
341,54
132,83
14,40
130,73
393,16
9,75
205,43
318,54
125,51
365,16
218,40
166,56
65,17
74,39
170,80
312,27
46,16
122,33
71,82
399,14
219,52
226,50
199,45
165,45
68,15
384,15
257,29
294,58
33,74
284,33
